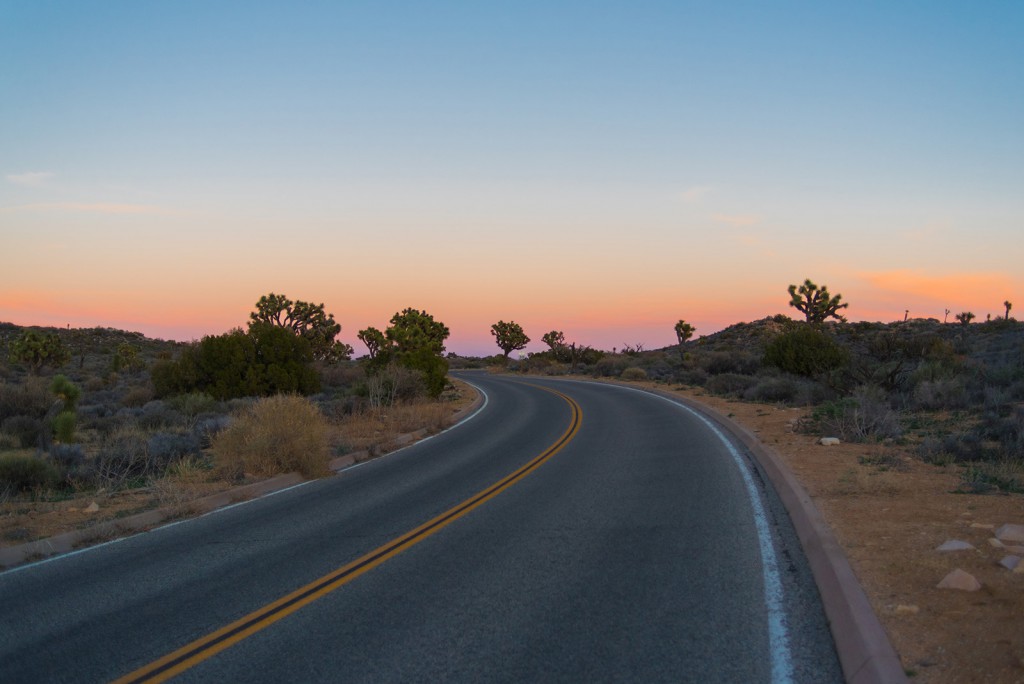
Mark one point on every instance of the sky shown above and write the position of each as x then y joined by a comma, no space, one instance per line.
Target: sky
600,168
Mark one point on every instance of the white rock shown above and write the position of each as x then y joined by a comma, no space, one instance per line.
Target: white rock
1011,533
958,579
91,508
992,541
829,441
1010,562
955,545
982,526
907,610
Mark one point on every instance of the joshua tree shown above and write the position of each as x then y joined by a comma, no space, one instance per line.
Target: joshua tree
304,320
816,303
509,336
1009,305
684,331
965,317
374,340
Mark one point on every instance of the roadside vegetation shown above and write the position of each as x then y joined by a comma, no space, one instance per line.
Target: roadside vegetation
100,414
97,413
950,392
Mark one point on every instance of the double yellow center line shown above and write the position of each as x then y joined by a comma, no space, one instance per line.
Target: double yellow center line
206,647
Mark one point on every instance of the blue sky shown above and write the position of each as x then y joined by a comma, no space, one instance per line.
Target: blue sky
636,162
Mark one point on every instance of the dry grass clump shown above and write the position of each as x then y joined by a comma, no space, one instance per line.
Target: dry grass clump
277,434
376,430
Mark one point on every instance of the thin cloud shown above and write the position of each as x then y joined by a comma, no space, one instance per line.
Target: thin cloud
29,179
93,208
736,220
696,193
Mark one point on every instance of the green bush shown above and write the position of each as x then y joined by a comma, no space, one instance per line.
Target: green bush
22,473
64,426
805,351
66,391
266,360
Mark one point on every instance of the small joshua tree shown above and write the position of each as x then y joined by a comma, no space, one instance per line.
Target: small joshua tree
684,331
816,303
965,317
1009,305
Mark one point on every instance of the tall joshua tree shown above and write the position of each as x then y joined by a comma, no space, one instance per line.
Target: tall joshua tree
816,303
1009,305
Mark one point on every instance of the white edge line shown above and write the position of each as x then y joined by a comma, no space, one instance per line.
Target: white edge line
221,509
778,634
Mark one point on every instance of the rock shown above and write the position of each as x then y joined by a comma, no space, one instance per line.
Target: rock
829,441
1010,562
958,579
993,542
982,526
907,610
955,545
91,508
1011,533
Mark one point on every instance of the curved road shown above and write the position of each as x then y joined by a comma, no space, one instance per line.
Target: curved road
590,533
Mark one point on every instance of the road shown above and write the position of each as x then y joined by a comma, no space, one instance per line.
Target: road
590,533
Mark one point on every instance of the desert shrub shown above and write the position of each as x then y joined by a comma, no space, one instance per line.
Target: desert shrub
933,450
633,373
30,398
166,448
192,404
123,458
717,363
864,416
139,395
947,393
729,383
23,473
94,384
609,367
26,429
208,426
345,375
691,376
156,415
70,461
8,442
64,424
783,390
1004,475
277,434
394,384
805,351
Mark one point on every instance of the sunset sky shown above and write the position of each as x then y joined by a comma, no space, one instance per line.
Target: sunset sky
604,169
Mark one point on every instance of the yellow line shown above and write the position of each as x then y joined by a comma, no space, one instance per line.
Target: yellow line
206,647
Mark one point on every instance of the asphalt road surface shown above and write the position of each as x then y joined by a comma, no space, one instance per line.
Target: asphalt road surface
587,534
